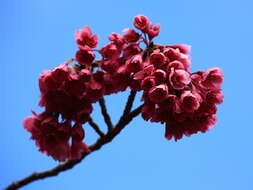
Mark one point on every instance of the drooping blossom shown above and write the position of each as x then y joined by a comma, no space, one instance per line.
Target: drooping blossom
52,137
179,78
158,93
189,101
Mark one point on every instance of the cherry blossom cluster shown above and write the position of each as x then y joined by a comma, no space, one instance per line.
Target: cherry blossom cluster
182,100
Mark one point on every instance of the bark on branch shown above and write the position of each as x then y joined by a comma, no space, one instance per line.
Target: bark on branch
105,114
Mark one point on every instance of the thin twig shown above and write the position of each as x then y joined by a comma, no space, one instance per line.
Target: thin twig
105,114
71,163
129,104
69,61
96,127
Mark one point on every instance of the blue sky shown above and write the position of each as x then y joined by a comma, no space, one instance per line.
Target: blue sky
38,35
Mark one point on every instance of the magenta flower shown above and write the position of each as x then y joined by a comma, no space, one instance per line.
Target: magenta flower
212,79
78,147
50,136
85,75
179,79
109,51
176,65
175,54
148,83
189,101
153,31
134,64
130,35
47,82
160,76
85,57
116,39
157,59
141,22
85,39
158,93
61,73
215,97
131,49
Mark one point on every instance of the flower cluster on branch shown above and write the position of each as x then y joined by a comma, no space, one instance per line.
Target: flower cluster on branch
184,101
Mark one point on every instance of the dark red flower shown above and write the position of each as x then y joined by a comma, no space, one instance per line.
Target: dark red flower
134,64
141,22
109,51
130,35
153,31
85,39
85,57
179,79
157,59
212,79
158,93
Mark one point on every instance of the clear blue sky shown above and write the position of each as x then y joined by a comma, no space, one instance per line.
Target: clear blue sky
38,35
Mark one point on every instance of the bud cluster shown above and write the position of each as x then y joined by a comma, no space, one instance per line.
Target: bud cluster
184,101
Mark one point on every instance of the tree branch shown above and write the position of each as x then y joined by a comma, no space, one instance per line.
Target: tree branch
71,163
116,130
129,103
96,127
105,114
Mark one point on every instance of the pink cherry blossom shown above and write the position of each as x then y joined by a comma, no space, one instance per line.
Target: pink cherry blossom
141,22
131,35
61,73
109,51
160,76
148,83
175,64
157,59
85,39
215,97
85,57
179,78
153,31
131,49
117,39
50,136
158,93
47,81
189,101
212,79
134,64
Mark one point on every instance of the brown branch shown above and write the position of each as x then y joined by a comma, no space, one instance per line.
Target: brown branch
96,127
71,163
129,103
118,128
105,114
